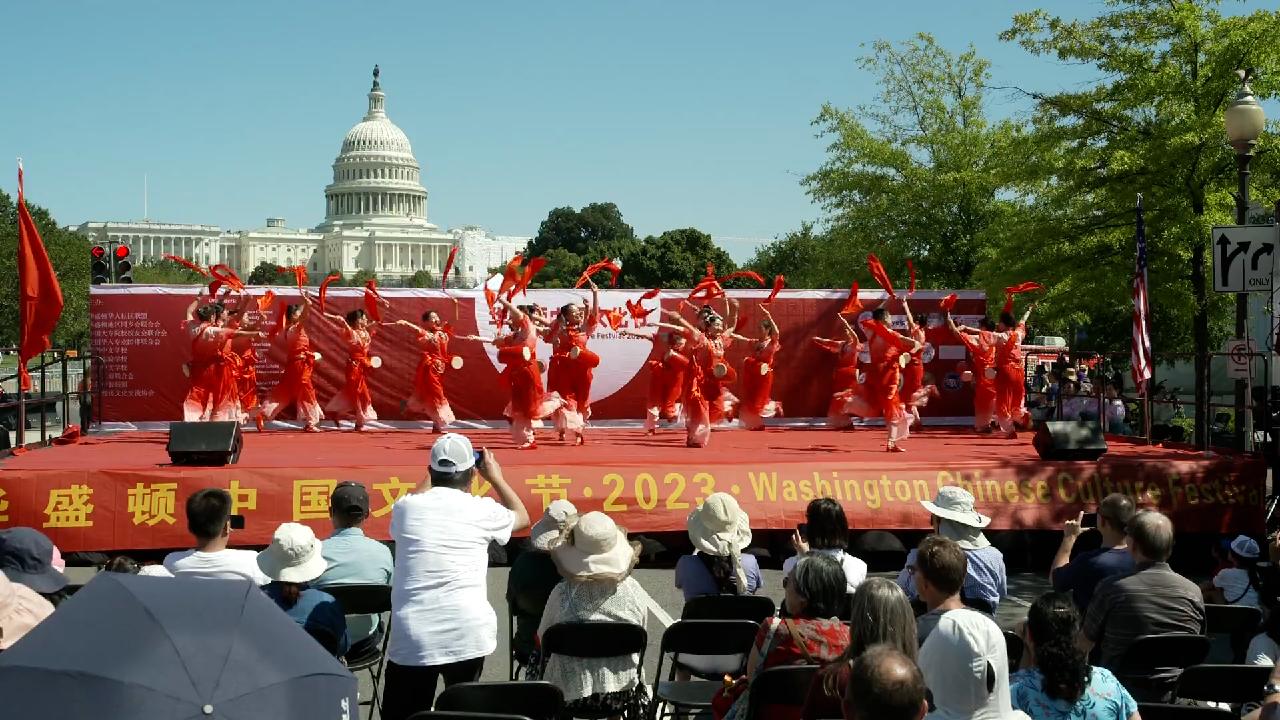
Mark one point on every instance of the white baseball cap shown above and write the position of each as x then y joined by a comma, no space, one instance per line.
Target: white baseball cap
452,453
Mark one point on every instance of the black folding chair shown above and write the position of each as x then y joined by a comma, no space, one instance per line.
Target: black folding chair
536,700
783,685
325,637
1151,665
699,637
452,715
367,600
728,607
514,663
593,640
1014,646
1162,711
1234,684
1238,622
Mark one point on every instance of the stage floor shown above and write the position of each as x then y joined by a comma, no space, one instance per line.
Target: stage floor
650,482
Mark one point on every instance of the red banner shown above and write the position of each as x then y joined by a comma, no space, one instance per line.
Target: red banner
138,331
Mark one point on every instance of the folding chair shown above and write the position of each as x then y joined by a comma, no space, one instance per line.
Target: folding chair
728,607
325,637
1162,711
1234,684
593,640
698,637
1151,665
1238,622
536,700
783,685
1014,646
451,715
367,600
514,664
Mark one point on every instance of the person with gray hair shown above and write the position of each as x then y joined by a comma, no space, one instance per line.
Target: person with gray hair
1152,600
885,684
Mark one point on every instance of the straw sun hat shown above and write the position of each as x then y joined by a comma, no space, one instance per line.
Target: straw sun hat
593,547
720,527
293,556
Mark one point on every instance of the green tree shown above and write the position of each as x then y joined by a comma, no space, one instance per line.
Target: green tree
1150,124
803,257
421,279
361,277
590,234
674,259
165,272
69,253
268,274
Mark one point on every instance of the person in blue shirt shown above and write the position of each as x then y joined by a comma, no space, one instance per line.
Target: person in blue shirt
351,558
954,517
293,561
1081,575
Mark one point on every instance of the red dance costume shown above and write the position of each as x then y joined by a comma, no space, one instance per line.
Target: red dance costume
295,386
428,383
982,349
353,400
666,385
706,398
1011,388
914,393
213,394
757,384
529,402
879,396
844,378
245,364
571,377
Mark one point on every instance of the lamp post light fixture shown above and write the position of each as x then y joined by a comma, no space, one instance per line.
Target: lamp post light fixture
1244,121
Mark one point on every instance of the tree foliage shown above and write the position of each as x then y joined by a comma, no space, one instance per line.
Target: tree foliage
361,277
420,279
267,273
69,254
674,259
581,237
164,272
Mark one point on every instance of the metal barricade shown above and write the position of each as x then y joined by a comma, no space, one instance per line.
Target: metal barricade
59,376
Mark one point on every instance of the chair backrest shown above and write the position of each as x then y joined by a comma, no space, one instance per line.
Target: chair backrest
1162,711
594,640
537,700
454,715
1014,646
1223,683
1231,619
361,599
1151,653
782,685
709,637
728,607
325,637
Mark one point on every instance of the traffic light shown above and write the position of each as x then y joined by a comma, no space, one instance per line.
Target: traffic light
124,267
100,270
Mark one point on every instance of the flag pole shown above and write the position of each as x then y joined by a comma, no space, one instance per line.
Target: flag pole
20,439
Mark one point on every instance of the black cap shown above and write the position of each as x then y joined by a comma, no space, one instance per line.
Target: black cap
351,499
26,556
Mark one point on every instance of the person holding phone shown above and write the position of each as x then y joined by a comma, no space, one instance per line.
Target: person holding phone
826,532
1080,576
210,521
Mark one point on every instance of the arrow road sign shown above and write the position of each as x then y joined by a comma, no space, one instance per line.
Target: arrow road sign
1244,258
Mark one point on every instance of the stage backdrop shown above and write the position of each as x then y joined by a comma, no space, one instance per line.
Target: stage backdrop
138,331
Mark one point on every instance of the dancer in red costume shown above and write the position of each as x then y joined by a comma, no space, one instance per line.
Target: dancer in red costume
428,382
914,393
243,359
529,402
757,376
213,394
706,399
570,372
295,386
666,376
1011,382
844,378
879,395
982,348
353,400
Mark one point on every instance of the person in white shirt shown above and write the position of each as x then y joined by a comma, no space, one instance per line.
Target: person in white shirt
1236,585
209,520
441,622
827,533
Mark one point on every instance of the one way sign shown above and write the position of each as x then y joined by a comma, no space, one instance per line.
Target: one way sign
1244,258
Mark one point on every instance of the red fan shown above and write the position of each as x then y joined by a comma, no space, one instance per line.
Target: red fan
530,270
373,301
751,274
187,264
707,289
778,282
448,266
1022,287
510,277
264,302
490,298
852,305
299,273
637,310
877,272
651,294
614,317
324,287
948,303
593,268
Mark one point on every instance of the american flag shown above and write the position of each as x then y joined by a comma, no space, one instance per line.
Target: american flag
1141,352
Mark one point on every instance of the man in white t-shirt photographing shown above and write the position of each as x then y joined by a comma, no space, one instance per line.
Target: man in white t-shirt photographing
441,622
210,522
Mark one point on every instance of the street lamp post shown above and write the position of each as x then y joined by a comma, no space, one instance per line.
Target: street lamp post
1244,121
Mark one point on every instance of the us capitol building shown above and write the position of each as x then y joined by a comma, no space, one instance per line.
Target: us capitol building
375,219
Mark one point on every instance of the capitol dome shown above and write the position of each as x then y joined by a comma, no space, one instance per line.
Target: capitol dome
376,178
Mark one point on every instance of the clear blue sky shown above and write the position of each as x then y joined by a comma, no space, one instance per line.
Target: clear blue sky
682,113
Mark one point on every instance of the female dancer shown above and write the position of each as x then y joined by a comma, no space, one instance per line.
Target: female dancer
757,376
914,394
353,400
529,403
295,387
706,400
570,373
213,394
1011,380
242,358
428,383
982,348
844,378
666,375
880,391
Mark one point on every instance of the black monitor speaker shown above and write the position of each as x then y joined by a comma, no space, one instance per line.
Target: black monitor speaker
204,443
1070,440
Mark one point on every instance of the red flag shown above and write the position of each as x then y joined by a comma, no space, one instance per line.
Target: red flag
948,303
852,305
750,274
490,298
778,282
264,302
324,287
708,289
530,270
651,294
911,270
593,268
372,300
877,272
614,317
510,277
448,267
187,264
299,273
1022,287
39,295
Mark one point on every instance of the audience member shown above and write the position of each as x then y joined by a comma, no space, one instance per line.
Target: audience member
813,635
1264,648
1080,575
122,564
209,521
532,578
351,558
939,574
827,533
21,609
1152,600
1058,683
595,559
1114,411
885,684
719,531
966,667
293,561
26,557
881,616
442,623
1238,584
955,518
1077,404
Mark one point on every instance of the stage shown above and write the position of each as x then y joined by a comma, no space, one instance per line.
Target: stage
118,491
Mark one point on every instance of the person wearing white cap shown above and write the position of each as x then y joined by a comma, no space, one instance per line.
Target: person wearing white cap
596,559
954,517
1238,584
442,625
292,561
719,530
532,578
966,667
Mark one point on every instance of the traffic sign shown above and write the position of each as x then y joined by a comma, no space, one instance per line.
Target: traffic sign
1239,353
1244,258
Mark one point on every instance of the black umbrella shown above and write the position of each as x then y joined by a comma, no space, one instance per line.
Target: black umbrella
150,647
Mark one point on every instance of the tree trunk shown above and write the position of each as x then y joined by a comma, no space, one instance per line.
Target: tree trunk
1200,338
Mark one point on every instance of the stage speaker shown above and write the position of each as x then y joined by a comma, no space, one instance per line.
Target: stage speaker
1069,440
204,443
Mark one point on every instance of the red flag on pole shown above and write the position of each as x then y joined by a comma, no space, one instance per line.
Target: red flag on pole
39,295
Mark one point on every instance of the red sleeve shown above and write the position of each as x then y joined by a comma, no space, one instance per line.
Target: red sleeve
874,328
828,345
